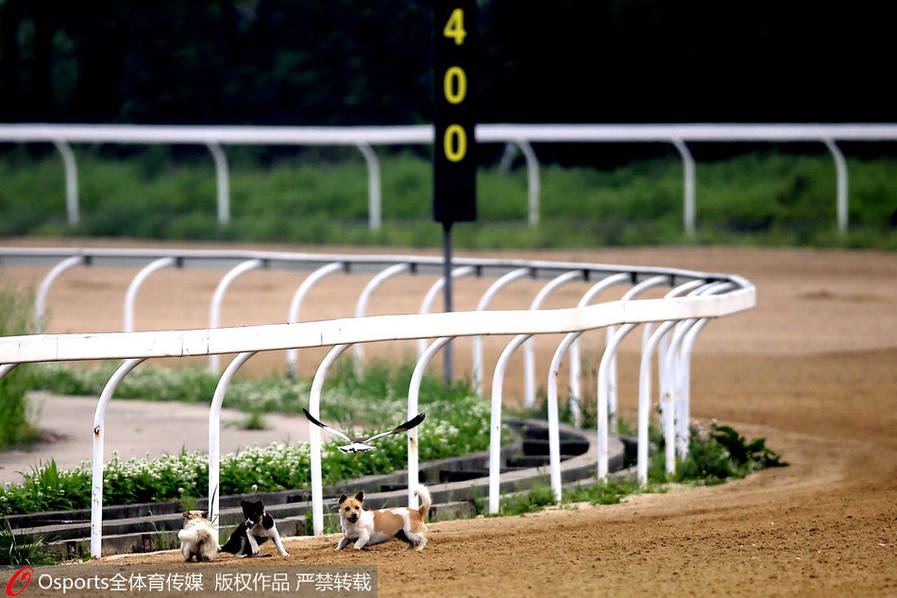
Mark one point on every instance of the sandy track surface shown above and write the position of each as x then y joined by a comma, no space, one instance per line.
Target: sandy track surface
813,368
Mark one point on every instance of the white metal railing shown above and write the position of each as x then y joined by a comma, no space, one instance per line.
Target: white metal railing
323,265
730,294
522,136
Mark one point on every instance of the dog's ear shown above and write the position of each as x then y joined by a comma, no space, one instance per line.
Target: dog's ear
205,514
186,514
244,503
359,496
342,498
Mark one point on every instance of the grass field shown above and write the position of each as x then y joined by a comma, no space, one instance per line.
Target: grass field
757,198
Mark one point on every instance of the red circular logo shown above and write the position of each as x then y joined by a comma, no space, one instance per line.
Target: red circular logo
25,574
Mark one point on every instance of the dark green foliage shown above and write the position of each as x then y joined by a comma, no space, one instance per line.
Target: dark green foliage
15,318
21,552
716,456
457,423
771,198
535,499
610,492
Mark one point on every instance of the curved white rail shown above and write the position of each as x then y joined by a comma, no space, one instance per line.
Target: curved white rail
735,294
223,179
575,365
413,394
375,218
477,341
675,377
134,287
569,342
520,135
434,290
498,379
71,181
215,432
99,433
218,297
6,368
272,337
644,388
529,358
365,296
40,303
314,438
296,304
607,359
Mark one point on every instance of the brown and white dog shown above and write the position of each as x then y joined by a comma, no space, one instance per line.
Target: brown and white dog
375,527
198,538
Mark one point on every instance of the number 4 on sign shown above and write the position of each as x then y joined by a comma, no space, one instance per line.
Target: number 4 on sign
454,27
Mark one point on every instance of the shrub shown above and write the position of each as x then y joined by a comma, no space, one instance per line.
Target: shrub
15,318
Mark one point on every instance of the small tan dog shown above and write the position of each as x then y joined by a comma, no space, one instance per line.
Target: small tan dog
375,527
198,538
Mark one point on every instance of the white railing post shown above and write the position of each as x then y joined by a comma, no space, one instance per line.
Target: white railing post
498,378
529,359
427,303
6,368
532,181
71,181
314,439
99,432
604,415
361,306
222,181
134,287
644,403
218,297
413,395
575,365
688,207
507,157
40,302
477,341
684,389
296,304
375,218
215,433
841,171
675,374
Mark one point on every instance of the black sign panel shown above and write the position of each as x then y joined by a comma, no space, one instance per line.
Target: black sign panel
454,150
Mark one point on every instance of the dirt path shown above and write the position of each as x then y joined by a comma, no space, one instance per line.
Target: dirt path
813,369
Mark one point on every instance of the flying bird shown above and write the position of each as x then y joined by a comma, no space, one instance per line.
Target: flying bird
359,445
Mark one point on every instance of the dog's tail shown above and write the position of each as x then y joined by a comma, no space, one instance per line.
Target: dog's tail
425,501
196,535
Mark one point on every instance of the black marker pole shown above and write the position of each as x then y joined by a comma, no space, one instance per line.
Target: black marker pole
447,292
454,122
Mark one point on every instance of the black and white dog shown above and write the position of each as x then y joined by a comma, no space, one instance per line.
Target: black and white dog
256,527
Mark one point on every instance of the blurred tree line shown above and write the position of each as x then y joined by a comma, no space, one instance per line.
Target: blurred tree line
352,62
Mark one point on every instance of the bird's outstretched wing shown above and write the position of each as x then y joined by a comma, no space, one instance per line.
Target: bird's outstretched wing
330,429
411,423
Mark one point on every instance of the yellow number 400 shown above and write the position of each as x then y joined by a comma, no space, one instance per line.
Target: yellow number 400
454,27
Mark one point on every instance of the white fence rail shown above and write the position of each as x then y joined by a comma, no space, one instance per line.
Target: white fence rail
523,136
709,295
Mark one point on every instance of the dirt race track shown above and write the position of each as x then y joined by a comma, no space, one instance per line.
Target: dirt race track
813,368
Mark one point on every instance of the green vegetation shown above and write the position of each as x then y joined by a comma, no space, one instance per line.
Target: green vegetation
714,457
359,397
457,423
15,318
20,552
759,198
717,455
